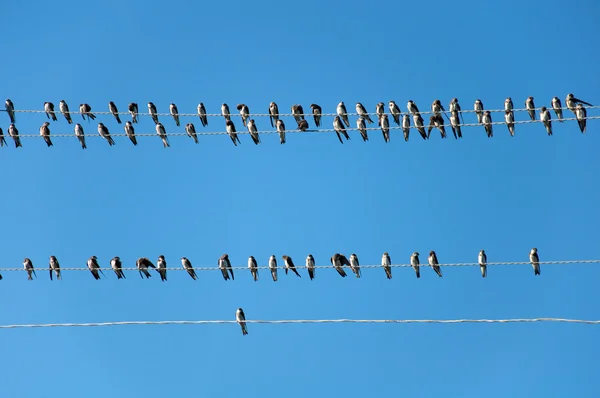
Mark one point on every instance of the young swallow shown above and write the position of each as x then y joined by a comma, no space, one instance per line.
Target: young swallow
362,112
162,133
103,131
202,114
130,131
133,111
395,112
386,263
117,267
310,266
455,124
112,108
253,268
80,135
406,126
478,107
303,125
436,121
175,113
455,107
414,262
230,127
85,109
64,109
509,118
94,267
298,112
337,264
240,317
49,109
317,111
580,114
190,130
14,133
2,140
482,259
557,107
379,111
343,113
385,127
161,268
535,261
508,105
152,111
571,102
187,265
487,123
362,128
530,107
289,264
433,261
281,131
142,265
273,267
545,118
339,128
45,133
274,113
412,108
253,131
355,265
244,113
28,265
225,265
53,265
225,112
418,121
10,109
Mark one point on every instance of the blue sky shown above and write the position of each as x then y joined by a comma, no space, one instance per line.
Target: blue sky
312,195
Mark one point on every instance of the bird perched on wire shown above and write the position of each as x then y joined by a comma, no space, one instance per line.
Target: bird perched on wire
230,127
187,265
253,268
336,261
310,266
244,113
45,133
482,259
354,265
94,267
386,263
175,113
225,265
133,111
152,111
53,265
117,267
86,110
202,114
80,135
535,261
49,109
190,130
142,265
28,265
572,102
273,113
289,264
273,267
316,111
10,109
161,268
414,263
433,261
240,317
112,108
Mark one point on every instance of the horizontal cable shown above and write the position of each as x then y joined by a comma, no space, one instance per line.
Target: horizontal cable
442,321
281,267
425,126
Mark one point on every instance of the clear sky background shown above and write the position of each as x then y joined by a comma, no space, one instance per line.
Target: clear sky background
312,195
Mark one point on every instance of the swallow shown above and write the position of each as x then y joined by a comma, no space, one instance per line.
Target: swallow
297,112
190,130
339,128
406,126
379,111
230,127
289,264
386,263
45,133
478,107
433,261
535,261
253,131
395,112
14,133
362,112
130,131
418,121
225,265
225,112
274,113
10,109
412,108
187,265
273,267
580,114
162,133
80,135
240,317
112,108
508,105
253,268
545,118
103,131
94,267
557,106
161,268
2,140
303,125
133,111
175,113
28,265
310,266
571,103
152,111
437,108
509,118
53,265
337,264
355,265
142,265
436,121
482,259
455,107
202,114
362,127
385,127
85,109
281,131
64,109
244,113
455,124
49,109
414,263
487,123
342,113
117,267
316,111
530,107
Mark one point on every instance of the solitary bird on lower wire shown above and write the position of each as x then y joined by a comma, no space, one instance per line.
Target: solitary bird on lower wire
240,317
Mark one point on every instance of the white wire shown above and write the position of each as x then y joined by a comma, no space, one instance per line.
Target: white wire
277,322
215,268
425,126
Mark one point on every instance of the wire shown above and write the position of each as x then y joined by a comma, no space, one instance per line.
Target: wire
72,135
215,268
277,322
